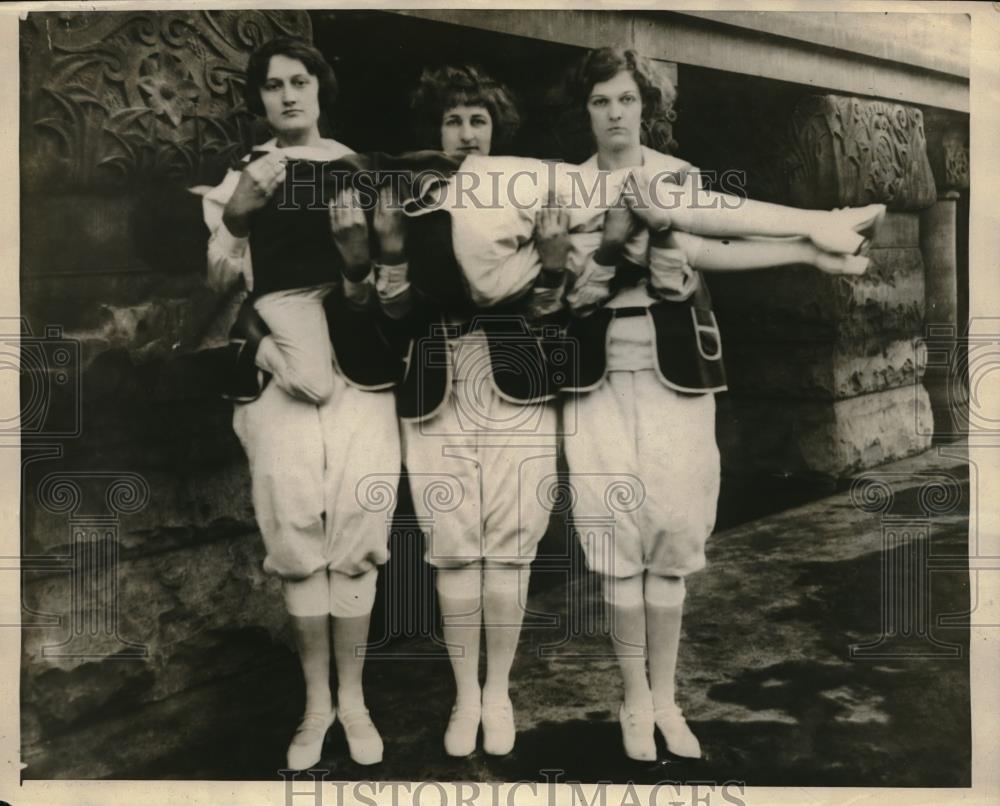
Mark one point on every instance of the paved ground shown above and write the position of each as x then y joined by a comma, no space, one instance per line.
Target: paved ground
766,674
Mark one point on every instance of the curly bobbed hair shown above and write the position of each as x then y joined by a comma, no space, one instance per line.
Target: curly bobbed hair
656,91
444,88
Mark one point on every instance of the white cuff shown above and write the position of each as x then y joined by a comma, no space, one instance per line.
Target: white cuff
670,273
228,243
594,272
544,301
391,281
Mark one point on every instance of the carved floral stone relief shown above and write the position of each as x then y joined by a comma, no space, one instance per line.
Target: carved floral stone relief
853,151
956,164
111,99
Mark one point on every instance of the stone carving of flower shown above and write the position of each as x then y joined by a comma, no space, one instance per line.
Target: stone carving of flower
168,87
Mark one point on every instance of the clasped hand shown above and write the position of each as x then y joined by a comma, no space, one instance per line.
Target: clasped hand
350,231
551,234
258,181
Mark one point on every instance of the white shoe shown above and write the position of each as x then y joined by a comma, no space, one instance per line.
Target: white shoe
463,728
852,230
306,748
867,220
637,734
363,740
498,727
680,740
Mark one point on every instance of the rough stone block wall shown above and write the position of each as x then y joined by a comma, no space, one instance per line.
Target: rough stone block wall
825,371
141,557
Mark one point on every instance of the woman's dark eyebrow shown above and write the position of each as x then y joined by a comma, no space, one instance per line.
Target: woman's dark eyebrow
291,77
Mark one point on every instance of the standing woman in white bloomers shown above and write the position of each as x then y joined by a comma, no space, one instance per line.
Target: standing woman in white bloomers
650,364
312,434
496,443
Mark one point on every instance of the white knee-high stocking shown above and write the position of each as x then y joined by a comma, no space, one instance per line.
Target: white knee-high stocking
628,637
312,638
505,596
664,597
664,608
460,598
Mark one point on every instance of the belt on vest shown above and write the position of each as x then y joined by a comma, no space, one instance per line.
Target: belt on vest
628,310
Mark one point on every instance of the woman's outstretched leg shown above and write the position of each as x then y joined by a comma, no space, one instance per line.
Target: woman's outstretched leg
735,254
505,596
628,637
702,212
664,598
460,599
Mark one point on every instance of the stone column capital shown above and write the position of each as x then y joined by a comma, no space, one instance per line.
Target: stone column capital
948,150
848,151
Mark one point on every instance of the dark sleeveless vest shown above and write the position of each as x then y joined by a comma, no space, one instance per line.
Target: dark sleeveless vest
687,342
290,236
292,247
529,359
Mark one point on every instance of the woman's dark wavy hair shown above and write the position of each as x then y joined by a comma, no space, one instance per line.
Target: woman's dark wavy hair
657,93
443,88
293,48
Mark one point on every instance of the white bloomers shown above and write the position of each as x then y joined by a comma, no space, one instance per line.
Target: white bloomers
643,465
319,475
480,467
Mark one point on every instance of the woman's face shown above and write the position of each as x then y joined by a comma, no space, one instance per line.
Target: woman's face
290,96
466,130
615,108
